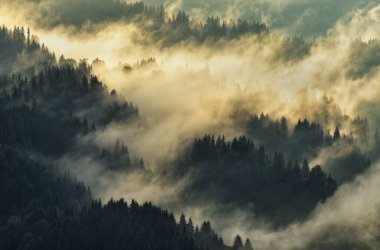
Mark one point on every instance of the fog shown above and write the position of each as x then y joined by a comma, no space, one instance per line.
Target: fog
293,17
192,89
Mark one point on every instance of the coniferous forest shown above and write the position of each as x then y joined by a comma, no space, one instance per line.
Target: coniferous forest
181,125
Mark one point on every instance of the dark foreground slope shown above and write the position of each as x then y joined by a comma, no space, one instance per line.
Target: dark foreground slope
43,210
41,116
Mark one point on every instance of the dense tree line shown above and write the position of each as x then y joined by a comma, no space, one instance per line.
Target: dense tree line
364,58
27,185
42,114
164,29
45,111
306,139
45,210
27,128
119,159
18,46
239,172
153,19
181,28
301,140
292,49
268,167
47,105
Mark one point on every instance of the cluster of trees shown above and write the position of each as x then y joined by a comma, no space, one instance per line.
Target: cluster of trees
41,115
30,129
180,27
238,244
347,167
267,131
47,106
165,31
45,112
145,62
364,58
18,46
303,140
77,13
292,49
204,235
28,185
312,134
307,138
119,159
361,128
238,172
45,210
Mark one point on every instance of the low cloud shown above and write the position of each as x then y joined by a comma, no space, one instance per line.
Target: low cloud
192,89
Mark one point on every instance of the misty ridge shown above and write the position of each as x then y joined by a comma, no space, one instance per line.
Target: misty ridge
185,117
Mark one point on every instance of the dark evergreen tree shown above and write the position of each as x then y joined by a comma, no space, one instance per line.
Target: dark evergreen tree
336,134
248,245
238,243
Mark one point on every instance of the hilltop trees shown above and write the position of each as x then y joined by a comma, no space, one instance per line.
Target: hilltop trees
269,167
178,28
363,59
45,111
49,110
239,172
238,243
181,28
301,141
43,210
42,115
17,47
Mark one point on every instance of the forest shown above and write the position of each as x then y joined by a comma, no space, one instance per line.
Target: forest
185,129
179,27
40,122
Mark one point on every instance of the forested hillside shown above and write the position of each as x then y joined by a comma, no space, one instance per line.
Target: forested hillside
43,210
189,125
238,172
41,115
20,52
179,27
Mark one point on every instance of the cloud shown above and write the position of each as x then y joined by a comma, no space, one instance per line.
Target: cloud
196,89
354,210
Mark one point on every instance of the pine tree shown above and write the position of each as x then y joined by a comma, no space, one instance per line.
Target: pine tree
28,37
190,226
238,243
336,134
248,245
182,223
305,169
